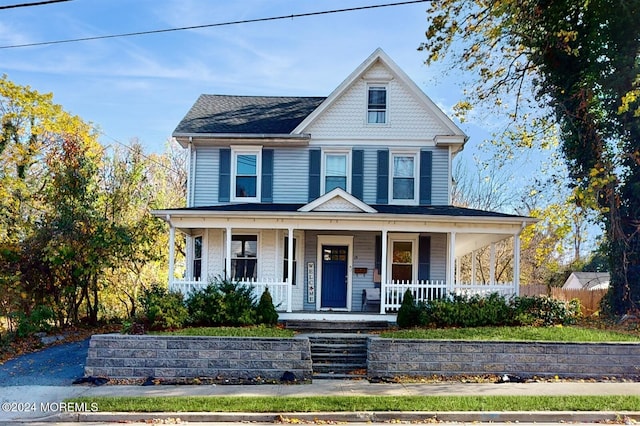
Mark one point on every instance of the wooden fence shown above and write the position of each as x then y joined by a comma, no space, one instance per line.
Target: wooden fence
589,299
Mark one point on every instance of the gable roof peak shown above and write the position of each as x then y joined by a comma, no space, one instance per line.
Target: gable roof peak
380,56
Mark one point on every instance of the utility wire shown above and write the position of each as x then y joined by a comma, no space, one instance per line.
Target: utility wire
38,3
220,24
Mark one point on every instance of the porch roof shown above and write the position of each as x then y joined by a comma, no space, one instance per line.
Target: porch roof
383,209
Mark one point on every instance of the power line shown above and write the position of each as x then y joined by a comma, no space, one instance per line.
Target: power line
220,24
38,3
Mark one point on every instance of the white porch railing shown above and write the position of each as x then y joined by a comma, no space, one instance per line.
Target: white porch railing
393,292
277,289
436,289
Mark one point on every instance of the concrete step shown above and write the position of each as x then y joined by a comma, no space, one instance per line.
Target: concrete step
309,326
338,356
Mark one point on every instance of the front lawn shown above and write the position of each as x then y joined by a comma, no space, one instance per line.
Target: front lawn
253,331
523,333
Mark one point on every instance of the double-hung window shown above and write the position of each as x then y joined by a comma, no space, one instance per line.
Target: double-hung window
197,258
246,164
403,257
244,257
285,268
377,104
336,171
404,169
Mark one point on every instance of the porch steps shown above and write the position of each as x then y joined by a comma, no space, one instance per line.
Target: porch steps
338,356
311,326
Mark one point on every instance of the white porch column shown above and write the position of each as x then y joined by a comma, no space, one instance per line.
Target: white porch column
516,264
383,273
451,262
492,264
474,254
172,251
290,270
227,264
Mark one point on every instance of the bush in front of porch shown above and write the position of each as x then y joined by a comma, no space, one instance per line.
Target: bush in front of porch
490,310
222,303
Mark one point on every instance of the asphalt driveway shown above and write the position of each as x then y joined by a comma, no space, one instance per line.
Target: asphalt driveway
57,365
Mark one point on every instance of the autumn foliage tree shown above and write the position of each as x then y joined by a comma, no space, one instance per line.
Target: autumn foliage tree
570,66
75,224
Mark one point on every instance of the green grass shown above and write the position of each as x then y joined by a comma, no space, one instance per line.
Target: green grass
554,334
254,331
283,404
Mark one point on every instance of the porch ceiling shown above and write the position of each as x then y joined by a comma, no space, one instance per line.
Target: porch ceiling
468,242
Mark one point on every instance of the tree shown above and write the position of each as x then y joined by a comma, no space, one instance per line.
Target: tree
75,223
570,65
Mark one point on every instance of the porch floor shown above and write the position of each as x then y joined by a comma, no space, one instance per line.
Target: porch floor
342,326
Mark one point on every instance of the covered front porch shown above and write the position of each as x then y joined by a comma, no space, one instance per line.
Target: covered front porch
338,257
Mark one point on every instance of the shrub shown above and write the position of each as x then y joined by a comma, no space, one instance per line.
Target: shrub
205,306
162,309
467,311
409,312
545,311
265,311
40,318
238,303
222,302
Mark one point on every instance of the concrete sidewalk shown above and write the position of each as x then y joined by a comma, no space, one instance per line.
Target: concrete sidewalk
46,400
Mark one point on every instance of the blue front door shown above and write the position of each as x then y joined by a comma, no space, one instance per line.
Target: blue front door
334,276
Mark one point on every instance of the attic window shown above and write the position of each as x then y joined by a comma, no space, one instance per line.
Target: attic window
377,104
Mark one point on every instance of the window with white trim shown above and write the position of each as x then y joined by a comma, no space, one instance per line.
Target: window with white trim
285,268
377,104
404,178
404,256
197,257
245,172
244,257
335,171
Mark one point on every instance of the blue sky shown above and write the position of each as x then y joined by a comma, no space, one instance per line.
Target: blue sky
142,86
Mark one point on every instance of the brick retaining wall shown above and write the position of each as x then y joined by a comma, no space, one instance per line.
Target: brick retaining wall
129,356
394,357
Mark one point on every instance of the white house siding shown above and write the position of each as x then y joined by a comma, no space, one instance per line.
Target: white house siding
205,184
408,118
215,253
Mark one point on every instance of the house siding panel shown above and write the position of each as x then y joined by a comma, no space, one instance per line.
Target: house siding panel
207,168
291,175
440,178
438,257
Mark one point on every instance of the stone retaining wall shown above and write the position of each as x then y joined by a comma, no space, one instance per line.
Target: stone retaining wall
169,357
394,357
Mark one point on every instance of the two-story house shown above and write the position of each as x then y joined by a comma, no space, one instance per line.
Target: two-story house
326,199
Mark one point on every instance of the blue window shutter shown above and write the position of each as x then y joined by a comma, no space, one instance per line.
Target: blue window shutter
426,172
224,181
314,174
382,193
424,258
357,173
267,176
378,253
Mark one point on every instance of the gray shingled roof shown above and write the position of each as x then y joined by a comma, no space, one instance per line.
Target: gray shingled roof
246,114
381,208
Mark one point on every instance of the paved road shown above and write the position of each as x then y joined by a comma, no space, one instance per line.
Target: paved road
57,365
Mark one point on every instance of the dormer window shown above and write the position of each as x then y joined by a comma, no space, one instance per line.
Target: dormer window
377,104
